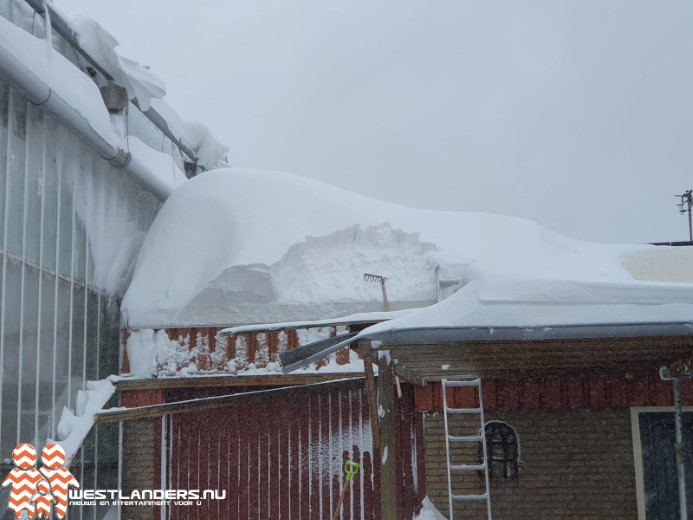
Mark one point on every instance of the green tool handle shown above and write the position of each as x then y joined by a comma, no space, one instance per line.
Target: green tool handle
351,468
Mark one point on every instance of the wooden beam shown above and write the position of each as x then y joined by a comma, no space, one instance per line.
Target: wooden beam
229,381
387,455
371,393
209,403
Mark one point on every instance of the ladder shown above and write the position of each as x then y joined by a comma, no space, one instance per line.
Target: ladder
456,439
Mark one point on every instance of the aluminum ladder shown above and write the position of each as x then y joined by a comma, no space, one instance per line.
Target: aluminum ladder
456,439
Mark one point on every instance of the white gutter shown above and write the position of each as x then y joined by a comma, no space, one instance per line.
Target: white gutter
40,93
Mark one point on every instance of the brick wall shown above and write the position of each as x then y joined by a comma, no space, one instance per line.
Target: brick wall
576,464
140,465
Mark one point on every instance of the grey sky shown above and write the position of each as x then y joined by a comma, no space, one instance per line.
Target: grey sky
578,114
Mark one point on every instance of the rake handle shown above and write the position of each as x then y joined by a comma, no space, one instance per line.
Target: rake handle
335,516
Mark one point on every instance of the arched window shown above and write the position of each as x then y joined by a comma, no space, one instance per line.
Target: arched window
503,451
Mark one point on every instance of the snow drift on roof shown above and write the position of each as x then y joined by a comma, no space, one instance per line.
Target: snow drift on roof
238,246
531,302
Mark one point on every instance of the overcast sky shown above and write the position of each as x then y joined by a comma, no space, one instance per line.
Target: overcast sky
577,114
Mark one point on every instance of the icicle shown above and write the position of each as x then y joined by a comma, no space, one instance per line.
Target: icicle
49,36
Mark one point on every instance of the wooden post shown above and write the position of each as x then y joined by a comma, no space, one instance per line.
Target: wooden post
371,394
386,413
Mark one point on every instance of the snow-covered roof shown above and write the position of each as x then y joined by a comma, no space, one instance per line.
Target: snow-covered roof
240,246
46,75
535,303
352,319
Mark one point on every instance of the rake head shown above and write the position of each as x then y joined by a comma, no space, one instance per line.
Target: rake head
374,278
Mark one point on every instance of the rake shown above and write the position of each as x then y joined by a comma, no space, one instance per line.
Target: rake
381,280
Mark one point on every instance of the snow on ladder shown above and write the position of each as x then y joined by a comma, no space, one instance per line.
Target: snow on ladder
456,439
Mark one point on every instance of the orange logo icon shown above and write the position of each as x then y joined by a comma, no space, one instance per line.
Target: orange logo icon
33,491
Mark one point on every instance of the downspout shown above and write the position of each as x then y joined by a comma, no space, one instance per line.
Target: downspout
679,449
679,446
39,93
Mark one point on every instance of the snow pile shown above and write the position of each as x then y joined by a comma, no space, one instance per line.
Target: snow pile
301,275
429,511
239,246
73,428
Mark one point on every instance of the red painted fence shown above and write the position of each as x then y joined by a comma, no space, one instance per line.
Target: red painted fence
283,458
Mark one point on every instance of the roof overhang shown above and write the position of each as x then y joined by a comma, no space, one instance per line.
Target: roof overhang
423,355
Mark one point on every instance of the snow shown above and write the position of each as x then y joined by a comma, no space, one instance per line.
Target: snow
210,152
139,81
81,93
429,511
144,348
74,426
158,353
667,264
250,246
362,317
64,79
535,302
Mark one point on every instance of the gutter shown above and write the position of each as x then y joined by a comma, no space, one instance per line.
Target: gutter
62,27
41,94
300,357
424,336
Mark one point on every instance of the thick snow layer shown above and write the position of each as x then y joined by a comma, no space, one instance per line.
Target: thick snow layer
534,302
64,79
238,246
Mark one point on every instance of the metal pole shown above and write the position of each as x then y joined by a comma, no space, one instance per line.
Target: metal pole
690,223
679,449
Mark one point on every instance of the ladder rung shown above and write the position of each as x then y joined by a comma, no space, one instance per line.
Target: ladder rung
462,410
469,382
467,467
470,498
465,438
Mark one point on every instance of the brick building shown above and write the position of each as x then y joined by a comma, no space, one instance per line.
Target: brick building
580,419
